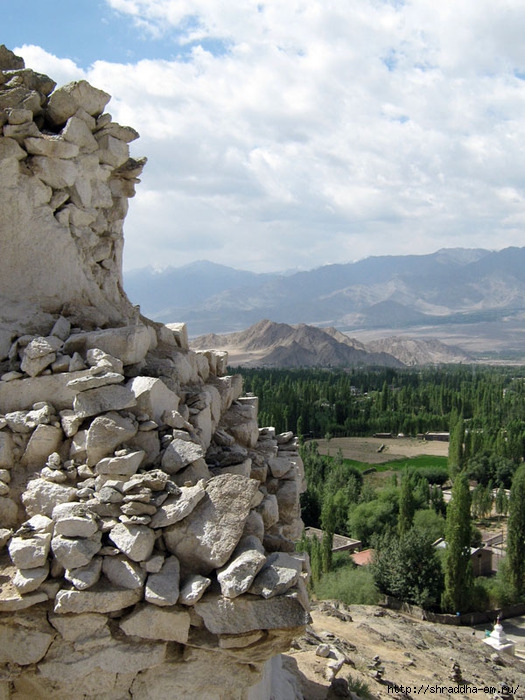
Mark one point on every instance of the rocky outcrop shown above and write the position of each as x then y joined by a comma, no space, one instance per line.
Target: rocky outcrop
147,523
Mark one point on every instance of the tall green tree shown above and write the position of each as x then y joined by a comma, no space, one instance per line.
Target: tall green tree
459,577
407,504
455,446
516,532
408,568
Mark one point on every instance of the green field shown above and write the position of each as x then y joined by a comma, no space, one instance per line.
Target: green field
420,462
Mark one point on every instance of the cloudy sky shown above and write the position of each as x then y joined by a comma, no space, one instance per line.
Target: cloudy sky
287,134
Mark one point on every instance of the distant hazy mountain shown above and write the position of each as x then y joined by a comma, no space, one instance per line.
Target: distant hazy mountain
270,344
459,286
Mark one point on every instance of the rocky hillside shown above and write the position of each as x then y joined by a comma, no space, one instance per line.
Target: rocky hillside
411,652
270,344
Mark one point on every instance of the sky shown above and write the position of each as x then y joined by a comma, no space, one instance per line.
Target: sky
290,134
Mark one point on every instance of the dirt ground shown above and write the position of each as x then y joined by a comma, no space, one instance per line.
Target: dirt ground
411,652
368,449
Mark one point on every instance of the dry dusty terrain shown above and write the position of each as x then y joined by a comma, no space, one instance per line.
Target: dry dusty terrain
367,449
413,653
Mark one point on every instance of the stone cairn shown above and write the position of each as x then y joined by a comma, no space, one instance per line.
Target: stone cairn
147,524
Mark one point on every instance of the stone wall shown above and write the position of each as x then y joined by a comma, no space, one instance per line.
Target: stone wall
147,523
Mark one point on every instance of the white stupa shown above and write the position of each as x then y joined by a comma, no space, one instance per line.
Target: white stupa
498,639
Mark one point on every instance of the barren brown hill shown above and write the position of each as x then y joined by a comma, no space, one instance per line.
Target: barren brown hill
270,344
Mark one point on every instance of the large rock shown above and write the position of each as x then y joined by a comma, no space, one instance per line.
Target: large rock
176,508
179,454
226,616
135,541
104,599
123,573
107,398
206,540
150,622
44,440
67,100
162,588
106,433
237,576
130,343
152,397
41,496
24,641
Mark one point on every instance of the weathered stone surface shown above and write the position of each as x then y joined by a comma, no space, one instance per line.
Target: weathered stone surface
176,508
226,616
75,627
254,525
279,574
207,539
22,394
107,398
241,422
130,343
86,576
28,580
179,454
149,622
202,674
237,576
279,466
24,644
6,450
125,465
89,668
44,440
74,553
123,573
50,145
100,599
106,433
136,541
67,100
162,589
269,510
14,601
193,589
42,496
74,520
152,397
29,552
192,474
95,381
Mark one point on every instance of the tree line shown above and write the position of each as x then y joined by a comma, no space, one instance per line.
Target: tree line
483,409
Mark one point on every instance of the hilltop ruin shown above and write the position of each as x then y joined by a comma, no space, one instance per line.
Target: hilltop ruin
147,523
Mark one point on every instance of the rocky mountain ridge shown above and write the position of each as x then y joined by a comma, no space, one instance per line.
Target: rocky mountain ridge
270,344
452,286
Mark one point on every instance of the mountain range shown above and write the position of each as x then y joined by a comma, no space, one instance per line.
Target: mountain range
454,294
270,344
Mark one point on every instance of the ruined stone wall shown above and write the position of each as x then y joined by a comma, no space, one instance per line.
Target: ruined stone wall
65,179
147,523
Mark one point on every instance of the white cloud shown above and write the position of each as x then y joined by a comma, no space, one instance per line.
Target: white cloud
317,132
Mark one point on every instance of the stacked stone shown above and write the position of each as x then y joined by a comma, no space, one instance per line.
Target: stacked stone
123,489
147,523
61,150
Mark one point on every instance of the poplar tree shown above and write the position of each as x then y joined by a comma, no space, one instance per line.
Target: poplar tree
455,446
516,532
407,505
459,577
